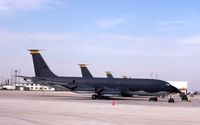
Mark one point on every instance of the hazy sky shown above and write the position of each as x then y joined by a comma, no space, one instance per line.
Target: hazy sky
128,37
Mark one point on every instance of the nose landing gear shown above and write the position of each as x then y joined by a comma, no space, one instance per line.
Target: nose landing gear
171,100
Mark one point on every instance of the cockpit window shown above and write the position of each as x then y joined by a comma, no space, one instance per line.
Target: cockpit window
167,84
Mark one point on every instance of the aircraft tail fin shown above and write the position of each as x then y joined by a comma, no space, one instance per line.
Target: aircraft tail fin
85,72
40,66
109,75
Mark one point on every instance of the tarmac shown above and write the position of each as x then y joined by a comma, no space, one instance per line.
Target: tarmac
67,108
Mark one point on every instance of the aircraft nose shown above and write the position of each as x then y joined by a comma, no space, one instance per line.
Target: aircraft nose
174,89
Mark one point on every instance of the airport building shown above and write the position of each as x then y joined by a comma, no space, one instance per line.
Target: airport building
28,87
8,87
33,87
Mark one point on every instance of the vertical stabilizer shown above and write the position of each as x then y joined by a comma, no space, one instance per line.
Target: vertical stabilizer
40,66
85,72
109,75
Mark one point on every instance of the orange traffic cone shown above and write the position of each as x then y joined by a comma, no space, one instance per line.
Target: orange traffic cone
113,102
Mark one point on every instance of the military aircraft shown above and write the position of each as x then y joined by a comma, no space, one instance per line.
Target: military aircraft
86,73
100,87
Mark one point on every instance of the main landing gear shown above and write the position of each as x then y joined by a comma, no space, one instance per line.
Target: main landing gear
96,96
153,99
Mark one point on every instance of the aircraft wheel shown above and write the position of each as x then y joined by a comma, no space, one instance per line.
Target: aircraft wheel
94,96
153,99
100,97
171,100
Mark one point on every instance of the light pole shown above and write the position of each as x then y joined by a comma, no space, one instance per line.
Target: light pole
16,71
